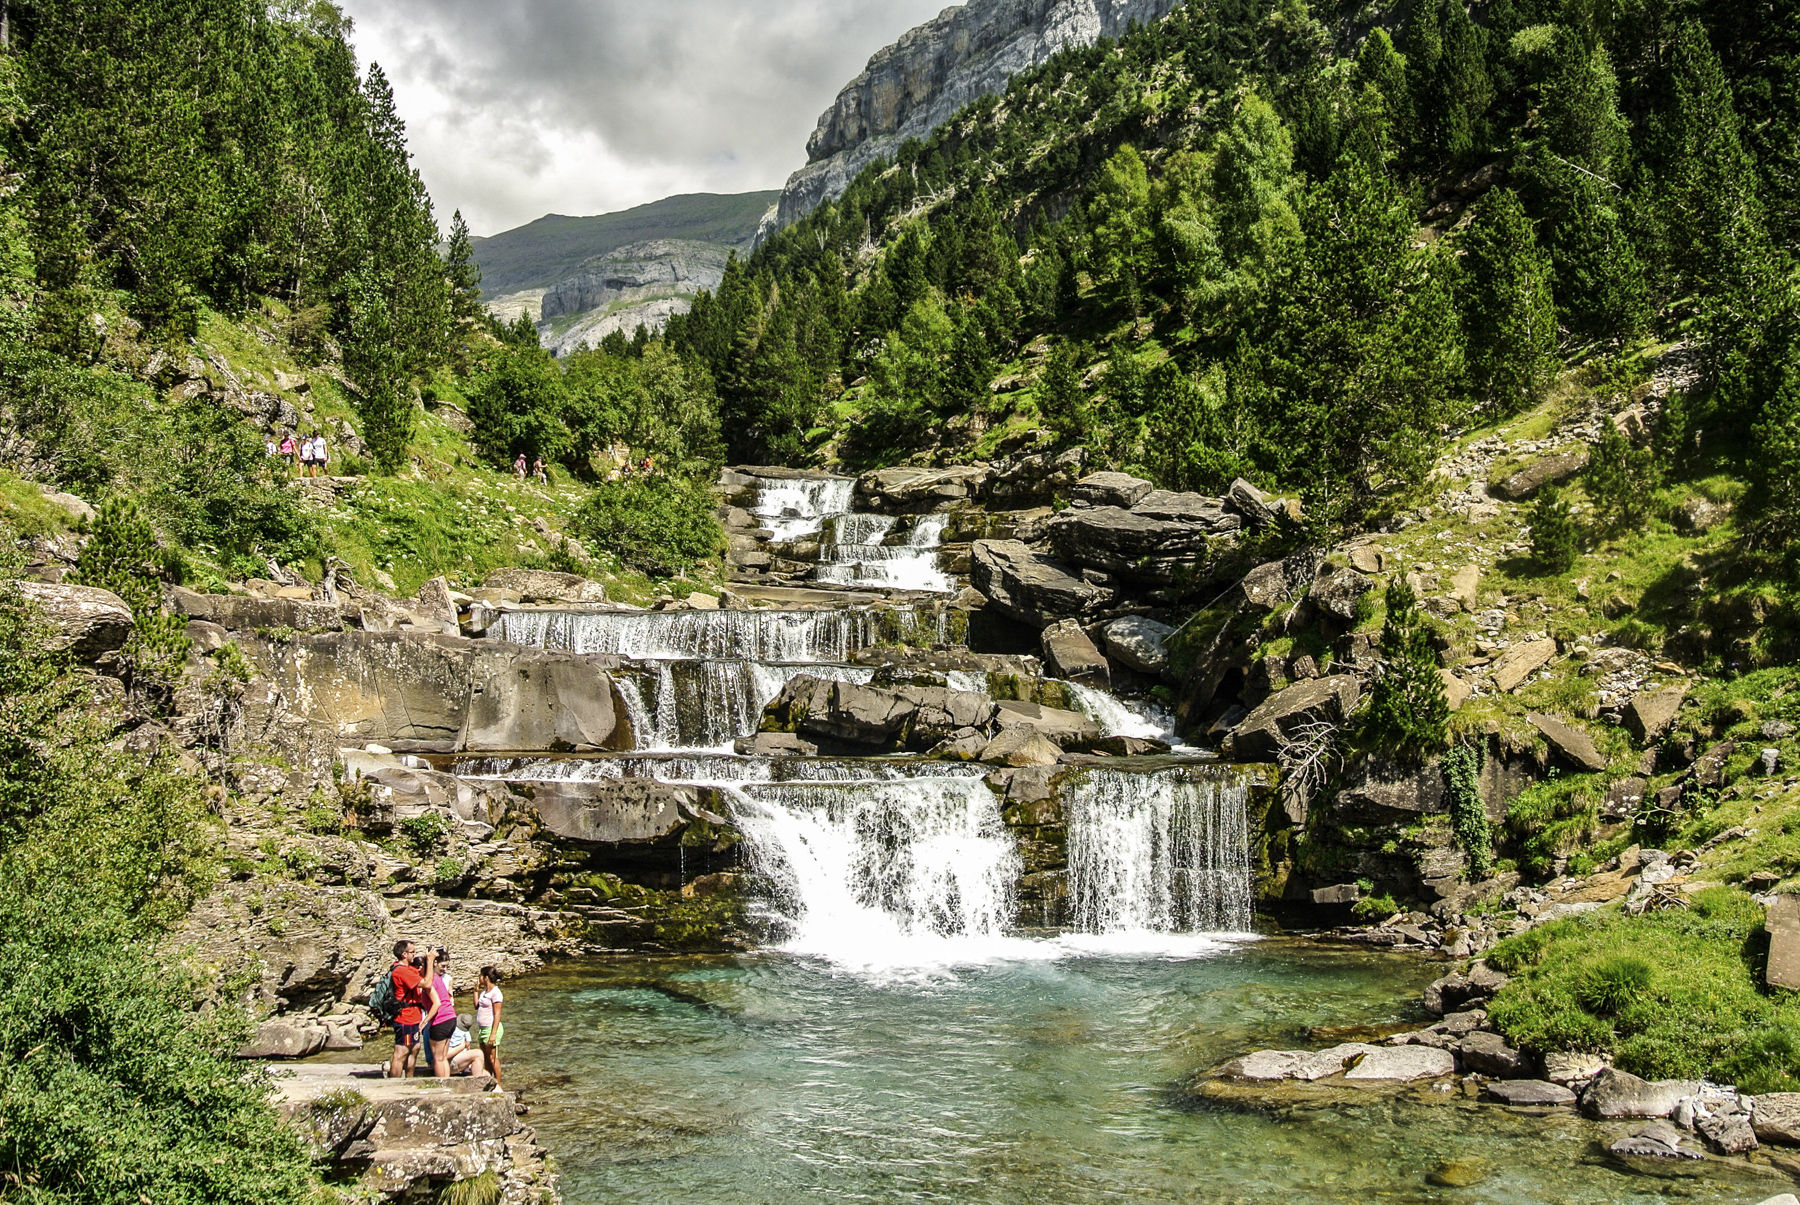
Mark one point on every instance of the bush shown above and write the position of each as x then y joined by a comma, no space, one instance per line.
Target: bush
1468,815
424,831
1611,985
1621,479
661,526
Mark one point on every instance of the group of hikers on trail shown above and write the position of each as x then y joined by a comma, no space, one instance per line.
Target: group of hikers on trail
416,998
309,456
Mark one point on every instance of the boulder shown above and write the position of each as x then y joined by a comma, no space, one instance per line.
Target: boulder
1403,1064
435,604
1727,1128
1776,1118
1651,714
1070,654
1456,690
1622,799
917,490
1139,644
1377,791
282,1038
1697,516
1258,509
1615,1094
1529,1092
1335,592
1341,895
1574,746
1487,1053
84,622
1020,746
1020,584
543,586
1367,558
1465,586
1783,925
1266,587
1549,470
1573,1069
1521,661
1112,489
1261,735
535,700
1065,728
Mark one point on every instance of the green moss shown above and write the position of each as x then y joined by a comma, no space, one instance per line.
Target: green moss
1552,818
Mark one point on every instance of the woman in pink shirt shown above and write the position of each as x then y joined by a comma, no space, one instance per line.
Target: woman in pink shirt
442,1023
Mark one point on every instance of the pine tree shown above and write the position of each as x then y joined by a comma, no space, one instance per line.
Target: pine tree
1509,316
1621,480
123,556
462,272
1447,66
1409,712
1774,498
1061,399
1555,543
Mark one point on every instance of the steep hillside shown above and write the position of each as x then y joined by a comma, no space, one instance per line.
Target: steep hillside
922,80
551,255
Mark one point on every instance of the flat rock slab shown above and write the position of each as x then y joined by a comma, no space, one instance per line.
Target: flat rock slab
1403,1064
1576,747
1520,662
1536,1092
1651,714
1658,1141
1784,942
1535,476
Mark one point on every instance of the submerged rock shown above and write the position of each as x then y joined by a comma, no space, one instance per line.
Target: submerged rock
1615,1094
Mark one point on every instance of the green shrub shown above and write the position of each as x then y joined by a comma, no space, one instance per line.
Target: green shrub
1550,818
1554,541
450,871
424,831
1374,907
1612,984
662,526
1408,710
1468,815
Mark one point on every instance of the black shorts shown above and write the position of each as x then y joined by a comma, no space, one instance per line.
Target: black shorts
442,1031
406,1035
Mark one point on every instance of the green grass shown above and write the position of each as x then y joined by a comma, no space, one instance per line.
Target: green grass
24,511
1670,995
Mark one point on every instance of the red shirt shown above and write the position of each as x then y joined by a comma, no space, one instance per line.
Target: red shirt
409,989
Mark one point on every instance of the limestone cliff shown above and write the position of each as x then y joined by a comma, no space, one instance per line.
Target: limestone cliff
641,283
921,81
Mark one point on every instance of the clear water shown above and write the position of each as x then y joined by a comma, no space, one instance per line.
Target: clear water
1050,1076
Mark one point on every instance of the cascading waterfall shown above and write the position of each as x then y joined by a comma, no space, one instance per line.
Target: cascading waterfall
769,636
1119,718
1159,852
695,705
859,553
864,871
794,510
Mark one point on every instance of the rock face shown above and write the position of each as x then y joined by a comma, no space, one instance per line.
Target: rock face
1152,542
643,283
85,623
444,694
915,85
620,812
1260,736
1139,643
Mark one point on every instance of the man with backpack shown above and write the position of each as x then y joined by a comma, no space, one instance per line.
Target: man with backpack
401,997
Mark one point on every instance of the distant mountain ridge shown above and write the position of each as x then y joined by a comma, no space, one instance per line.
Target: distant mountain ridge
580,278
933,71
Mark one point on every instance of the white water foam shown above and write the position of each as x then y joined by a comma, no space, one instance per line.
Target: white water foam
769,636
794,510
859,553
1139,718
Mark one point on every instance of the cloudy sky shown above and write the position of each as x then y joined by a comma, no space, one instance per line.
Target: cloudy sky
518,108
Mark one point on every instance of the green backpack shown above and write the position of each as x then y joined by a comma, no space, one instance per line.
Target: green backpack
384,1001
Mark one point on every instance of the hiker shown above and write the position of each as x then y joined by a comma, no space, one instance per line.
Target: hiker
269,448
442,1024
537,470
408,996
288,451
490,1030
307,452
319,457
465,1056
519,467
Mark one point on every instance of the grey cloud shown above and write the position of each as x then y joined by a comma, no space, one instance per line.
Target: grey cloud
717,93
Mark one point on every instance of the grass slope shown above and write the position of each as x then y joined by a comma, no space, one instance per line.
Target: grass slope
543,252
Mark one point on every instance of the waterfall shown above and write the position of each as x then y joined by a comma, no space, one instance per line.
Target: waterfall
864,872
700,705
859,553
1162,852
1140,718
770,636
793,510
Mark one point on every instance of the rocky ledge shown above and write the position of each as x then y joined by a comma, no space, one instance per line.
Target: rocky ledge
1461,1057
412,1139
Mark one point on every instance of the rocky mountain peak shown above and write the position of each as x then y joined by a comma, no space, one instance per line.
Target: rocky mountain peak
922,80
